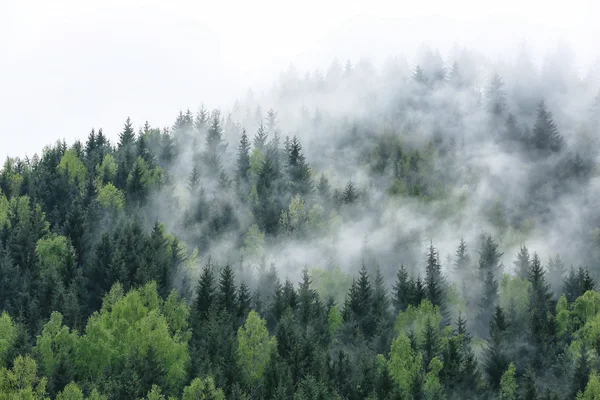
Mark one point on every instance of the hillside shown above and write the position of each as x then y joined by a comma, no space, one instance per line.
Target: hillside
414,232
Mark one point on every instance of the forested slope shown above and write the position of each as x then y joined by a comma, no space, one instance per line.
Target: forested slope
411,233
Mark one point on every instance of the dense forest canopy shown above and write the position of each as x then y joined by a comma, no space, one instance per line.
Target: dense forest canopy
419,231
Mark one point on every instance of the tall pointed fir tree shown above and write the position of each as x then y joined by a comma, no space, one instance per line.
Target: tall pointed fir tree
298,169
261,138
546,138
243,158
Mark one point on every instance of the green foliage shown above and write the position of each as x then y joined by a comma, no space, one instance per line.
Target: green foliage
22,381
8,336
254,242
70,392
73,167
107,171
592,390
332,282
334,320
514,294
415,319
202,389
111,198
404,364
254,348
508,384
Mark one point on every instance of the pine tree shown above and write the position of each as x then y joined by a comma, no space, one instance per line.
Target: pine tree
418,292
127,136
488,302
401,290
224,181
582,371
540,295
529,386
522,264
381,302
298,169
349,196
496,361
323,188
586,282
545,133
205,294
462,259
243,160
433,278
571,286
430,341
271,121
244,301
261,138
201,120
306,297
193,183
227,295
489,258
496,96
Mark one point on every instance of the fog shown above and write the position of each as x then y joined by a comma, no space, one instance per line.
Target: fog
68,66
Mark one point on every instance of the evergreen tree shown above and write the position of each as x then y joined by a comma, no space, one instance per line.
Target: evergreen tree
227,295
529,386
496,96
298,169
323,188
496,361
244,301
522,264
205,294
545,133
381,302
127,136
261,138
349,196
243,160
193,183
433,278
581,374
462,259
488,302
401,290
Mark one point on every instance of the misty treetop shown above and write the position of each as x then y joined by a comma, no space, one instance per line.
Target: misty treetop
418,232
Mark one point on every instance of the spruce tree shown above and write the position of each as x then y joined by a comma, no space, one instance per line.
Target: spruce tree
401,290
349,196
496,361
581,375
261,138
243,159
227,294
127,136
522,264
205,294
433,278
545,133
462,259
381,302
298,169
488,301
530,391
496,96
244,301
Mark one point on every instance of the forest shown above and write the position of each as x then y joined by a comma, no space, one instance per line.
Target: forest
421,231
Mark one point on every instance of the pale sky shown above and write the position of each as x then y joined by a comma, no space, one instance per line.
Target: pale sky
67,66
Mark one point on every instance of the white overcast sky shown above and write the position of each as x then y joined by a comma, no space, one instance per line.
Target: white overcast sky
69,65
